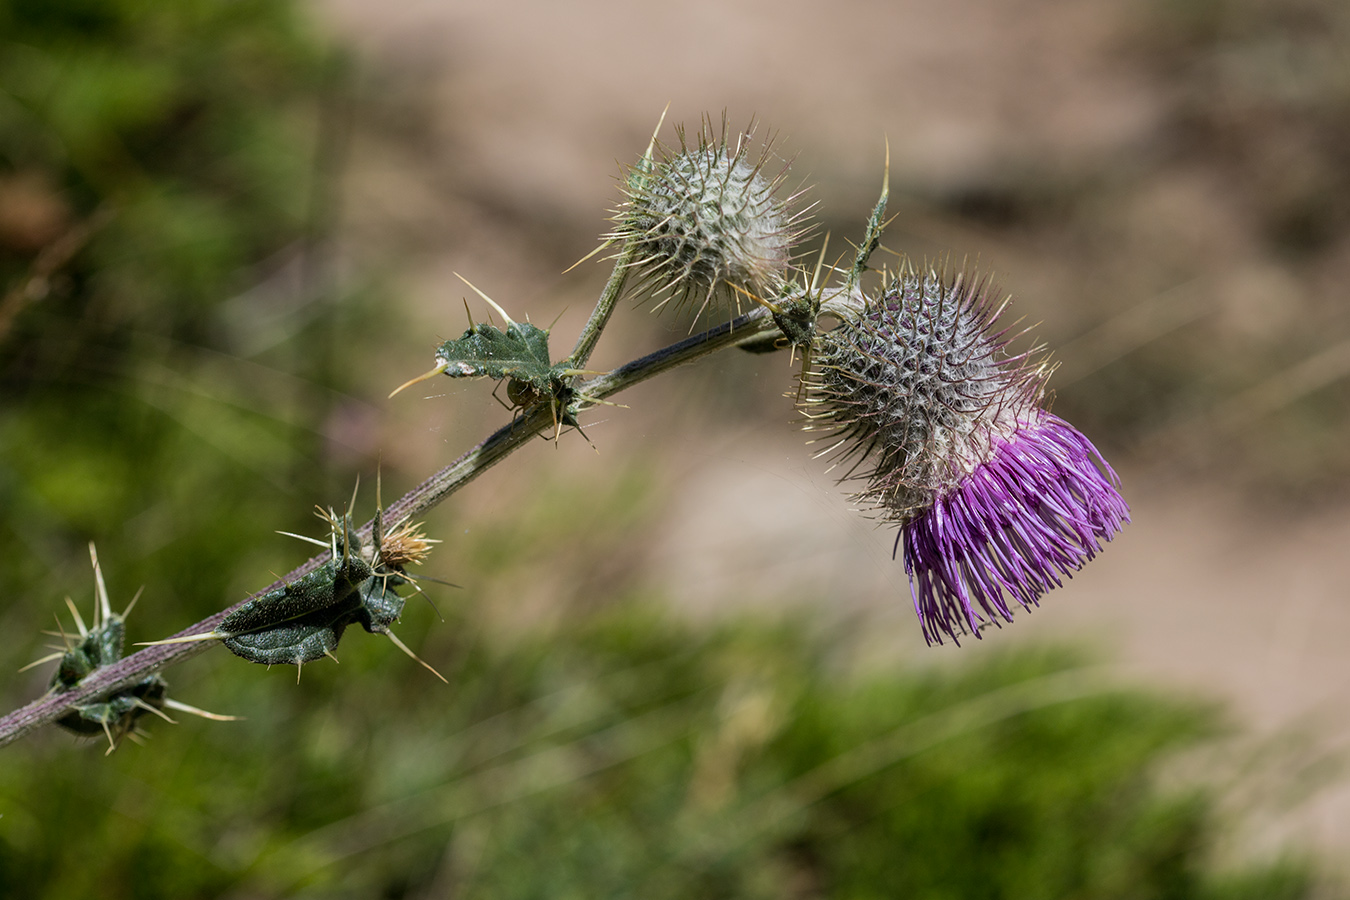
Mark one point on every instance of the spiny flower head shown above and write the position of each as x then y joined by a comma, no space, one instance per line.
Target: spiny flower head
708,221
996,498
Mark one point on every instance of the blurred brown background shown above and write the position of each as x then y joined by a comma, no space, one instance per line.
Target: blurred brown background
1163,187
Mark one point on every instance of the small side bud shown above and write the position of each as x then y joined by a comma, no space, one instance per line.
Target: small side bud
709,222
114,715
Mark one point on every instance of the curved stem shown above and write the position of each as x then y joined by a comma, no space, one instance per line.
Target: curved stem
747,327
604,308
609,297
426,495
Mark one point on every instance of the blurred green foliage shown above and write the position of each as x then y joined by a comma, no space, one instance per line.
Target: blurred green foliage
623,755
165,344
172,119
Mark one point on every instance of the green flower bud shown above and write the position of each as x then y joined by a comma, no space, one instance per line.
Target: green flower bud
709,222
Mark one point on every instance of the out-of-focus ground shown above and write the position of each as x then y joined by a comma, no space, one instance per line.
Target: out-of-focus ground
1159,187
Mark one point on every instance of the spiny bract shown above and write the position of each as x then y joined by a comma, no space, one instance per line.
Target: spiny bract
915,383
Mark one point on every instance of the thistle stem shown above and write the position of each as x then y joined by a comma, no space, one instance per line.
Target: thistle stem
604,307
426,495
609,297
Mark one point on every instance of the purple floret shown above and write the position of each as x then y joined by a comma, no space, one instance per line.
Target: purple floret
1038,509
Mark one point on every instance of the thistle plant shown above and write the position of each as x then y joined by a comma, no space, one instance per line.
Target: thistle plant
995,498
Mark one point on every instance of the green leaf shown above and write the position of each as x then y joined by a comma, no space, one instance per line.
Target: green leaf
334,585
519,353
295,641
299,622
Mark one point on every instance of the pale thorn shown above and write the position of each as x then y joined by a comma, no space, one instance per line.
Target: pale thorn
560,314
61,632
214,717
102,609
801,380
136,738
773,308
639,263
331,518
588,256
346,520
308,540
49,658
299,667
406,649
428,540
187,639
597,401
79,622
351,506
830,449
651,145
141,704
329,654
377,531
707,298
425,376
820,261
490,301
112,745
132,605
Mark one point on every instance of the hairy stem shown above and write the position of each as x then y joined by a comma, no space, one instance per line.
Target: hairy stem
426,495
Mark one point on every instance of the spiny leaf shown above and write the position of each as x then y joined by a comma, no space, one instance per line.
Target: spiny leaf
331,586
519,353
296,641
304,620
380,605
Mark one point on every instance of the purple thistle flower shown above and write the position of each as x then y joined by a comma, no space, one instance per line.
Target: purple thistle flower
1034,511
996,498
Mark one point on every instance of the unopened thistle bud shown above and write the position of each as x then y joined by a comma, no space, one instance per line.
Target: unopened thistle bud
708,222
996,498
